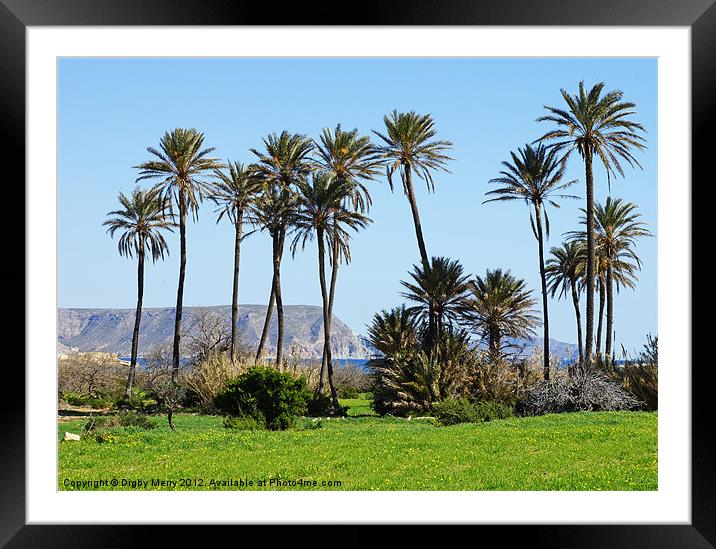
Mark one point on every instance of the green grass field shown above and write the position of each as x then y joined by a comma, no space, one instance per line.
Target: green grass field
583,451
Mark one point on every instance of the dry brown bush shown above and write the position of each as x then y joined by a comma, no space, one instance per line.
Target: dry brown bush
504,381
211,374
91,374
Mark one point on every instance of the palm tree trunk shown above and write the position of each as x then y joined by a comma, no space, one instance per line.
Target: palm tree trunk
589,336
326,321
416,217
419,234
180,288
543,278
137,320
494,343
235,294
331,295
610,318
575,300
278,253
601,316
267,321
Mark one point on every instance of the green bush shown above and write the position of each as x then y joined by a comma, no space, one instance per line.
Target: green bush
319,406
322,406
140,400
270,397
306,424
245,423
347,392
96,402
129,418
454,411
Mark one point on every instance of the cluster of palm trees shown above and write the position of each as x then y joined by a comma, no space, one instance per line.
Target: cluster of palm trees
449,303
296,186
305,188
596,259
595,125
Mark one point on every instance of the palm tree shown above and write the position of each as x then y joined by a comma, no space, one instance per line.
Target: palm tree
235,193
497,306
181,163
617,228
141,221
350,158
273,210
321,211
409,147
534,176
594,125
564,270
284,161
393,332
439,291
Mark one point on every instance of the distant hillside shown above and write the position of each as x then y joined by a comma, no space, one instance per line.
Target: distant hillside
110,330
522,347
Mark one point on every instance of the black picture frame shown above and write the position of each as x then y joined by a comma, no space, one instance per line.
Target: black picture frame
699,15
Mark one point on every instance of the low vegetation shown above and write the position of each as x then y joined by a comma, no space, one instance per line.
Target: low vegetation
446,383
268,397
580,451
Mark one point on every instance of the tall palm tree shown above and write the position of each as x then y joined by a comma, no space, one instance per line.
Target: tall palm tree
409,147
273,211
535,176
141,221
564,271
439,292
321,212
498,306
235,193
284,161
181,162
594,125
617,226
351,158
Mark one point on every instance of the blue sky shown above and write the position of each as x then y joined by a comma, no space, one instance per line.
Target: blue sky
111,110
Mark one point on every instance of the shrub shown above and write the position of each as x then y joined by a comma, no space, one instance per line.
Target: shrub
97,402
350,380
454,411
322,406
243,423
642,381
209,376
319,406
306,424
347,392
140,400
584,391
120,419
90,379
156,378
270,397
411,383
641,377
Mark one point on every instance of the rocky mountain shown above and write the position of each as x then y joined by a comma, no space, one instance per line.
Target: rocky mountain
559,349
110,330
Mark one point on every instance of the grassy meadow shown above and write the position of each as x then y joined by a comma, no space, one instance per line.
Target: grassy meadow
576,451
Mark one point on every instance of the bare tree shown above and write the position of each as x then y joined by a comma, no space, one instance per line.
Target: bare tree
209,334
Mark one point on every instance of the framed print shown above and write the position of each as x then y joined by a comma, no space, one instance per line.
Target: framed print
496,198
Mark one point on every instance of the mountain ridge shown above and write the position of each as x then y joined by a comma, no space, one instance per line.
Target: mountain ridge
110,330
